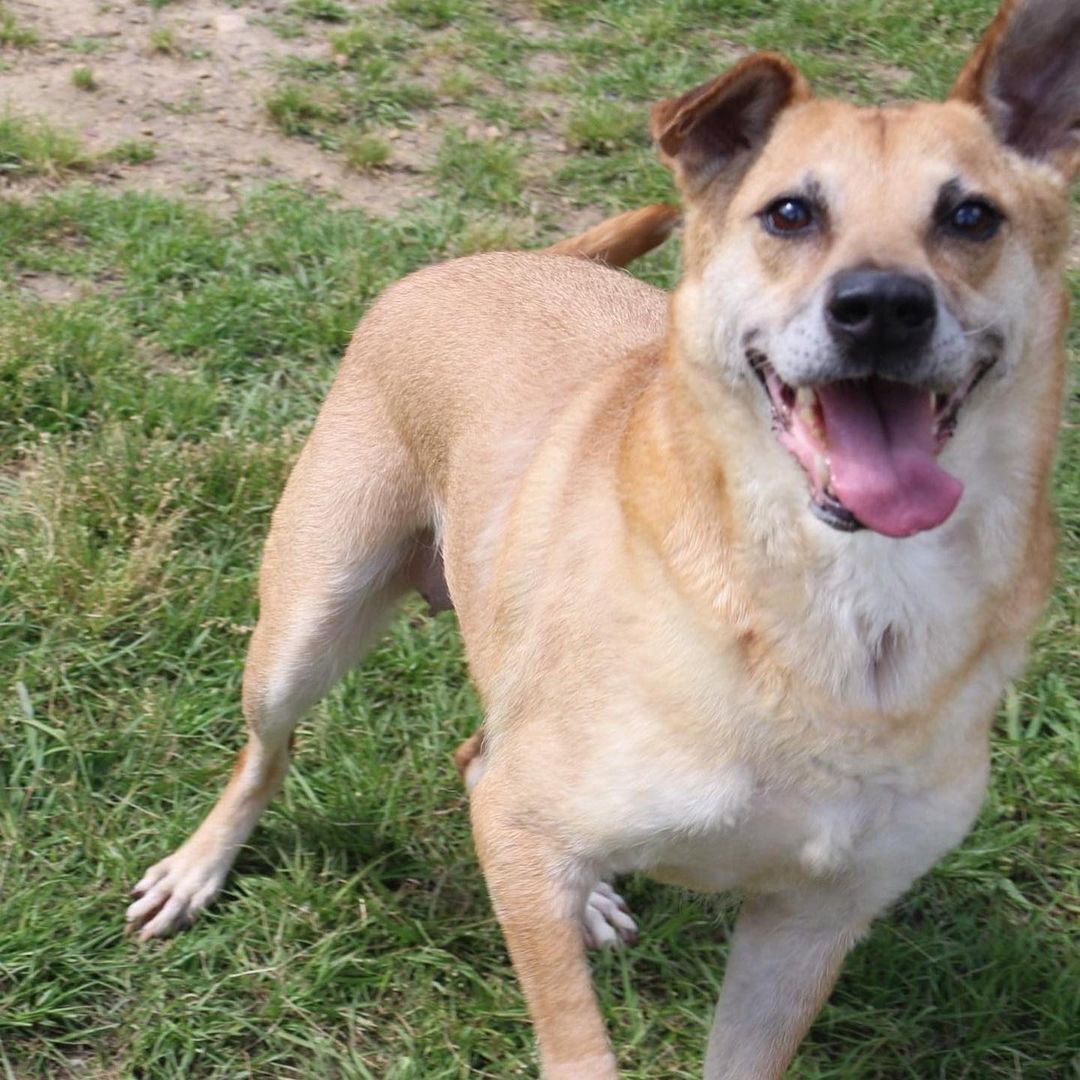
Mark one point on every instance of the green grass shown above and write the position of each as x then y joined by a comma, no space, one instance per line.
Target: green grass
30,146
83,78
13,33
608,61
482,171
146,429
297,110
164,40
325,10
430,14
603,126
366,151
87,46
313,102
133,152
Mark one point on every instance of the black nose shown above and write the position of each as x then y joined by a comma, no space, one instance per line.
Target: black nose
881,311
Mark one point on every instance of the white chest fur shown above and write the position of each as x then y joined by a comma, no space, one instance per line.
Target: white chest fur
738,827
754,799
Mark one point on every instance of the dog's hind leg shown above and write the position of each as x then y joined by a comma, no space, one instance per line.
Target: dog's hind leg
342,549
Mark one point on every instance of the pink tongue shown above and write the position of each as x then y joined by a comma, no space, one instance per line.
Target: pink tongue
881,451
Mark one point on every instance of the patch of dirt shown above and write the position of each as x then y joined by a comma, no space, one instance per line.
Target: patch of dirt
202,108
891,76
192,78
52,288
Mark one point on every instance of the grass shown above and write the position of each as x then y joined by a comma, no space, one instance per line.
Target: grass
486,172
83,78
133,152
86,46
326,10
146,428
366,151
164,41
13,34
297,110
430,14
603,126
588,71
29,146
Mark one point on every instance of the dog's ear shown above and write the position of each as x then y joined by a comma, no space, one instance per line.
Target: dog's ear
1025,78
727,120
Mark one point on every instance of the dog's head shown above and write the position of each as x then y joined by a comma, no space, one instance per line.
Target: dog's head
855,272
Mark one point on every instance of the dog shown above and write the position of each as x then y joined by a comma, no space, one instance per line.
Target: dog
741,572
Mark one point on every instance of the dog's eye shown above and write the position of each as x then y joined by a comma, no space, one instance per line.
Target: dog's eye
788,216
975,220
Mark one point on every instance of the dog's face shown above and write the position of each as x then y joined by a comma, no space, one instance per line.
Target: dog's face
856,273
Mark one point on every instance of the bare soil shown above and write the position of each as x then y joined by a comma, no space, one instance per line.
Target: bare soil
202,107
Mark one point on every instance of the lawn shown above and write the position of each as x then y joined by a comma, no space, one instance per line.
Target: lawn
160,364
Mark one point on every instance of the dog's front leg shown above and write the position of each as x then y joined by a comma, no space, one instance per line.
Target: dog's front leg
786,955
539,894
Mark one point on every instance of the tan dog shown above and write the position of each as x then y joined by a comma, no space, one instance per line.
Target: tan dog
741,575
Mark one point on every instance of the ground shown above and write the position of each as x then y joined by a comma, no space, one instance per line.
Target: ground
197,201
191,83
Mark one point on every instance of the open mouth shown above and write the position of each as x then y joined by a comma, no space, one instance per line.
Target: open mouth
869,447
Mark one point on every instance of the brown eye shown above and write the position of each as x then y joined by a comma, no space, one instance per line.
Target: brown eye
975,219
788,216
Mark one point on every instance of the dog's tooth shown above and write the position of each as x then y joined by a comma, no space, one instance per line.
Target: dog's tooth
822,471
806,405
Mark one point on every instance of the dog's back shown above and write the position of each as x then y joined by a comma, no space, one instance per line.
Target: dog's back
521,329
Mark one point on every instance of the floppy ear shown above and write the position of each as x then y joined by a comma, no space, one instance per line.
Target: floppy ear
1025,78
725,121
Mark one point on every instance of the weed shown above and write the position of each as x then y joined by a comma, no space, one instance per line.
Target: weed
192,102
29,146
133,152
365,151
83,78
357,40
285,27
457,84
164,41
86,46
326,10
13,35
296,109
430,14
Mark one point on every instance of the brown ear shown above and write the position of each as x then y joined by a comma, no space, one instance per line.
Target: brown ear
726,120
1025,78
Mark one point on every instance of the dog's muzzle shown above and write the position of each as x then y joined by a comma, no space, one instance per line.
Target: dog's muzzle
881,321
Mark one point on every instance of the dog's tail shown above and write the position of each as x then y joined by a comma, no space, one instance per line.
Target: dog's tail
623,238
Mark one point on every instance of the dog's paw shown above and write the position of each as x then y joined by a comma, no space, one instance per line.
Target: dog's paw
607,922
172,892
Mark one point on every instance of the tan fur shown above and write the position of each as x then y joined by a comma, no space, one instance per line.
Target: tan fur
622,239
682,671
